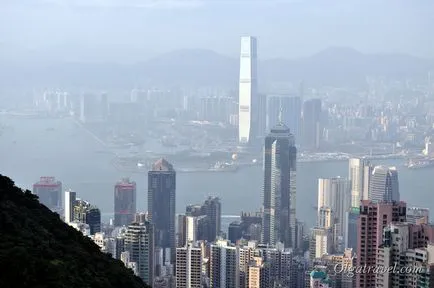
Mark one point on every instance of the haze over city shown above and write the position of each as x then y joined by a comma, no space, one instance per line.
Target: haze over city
216,143
136,30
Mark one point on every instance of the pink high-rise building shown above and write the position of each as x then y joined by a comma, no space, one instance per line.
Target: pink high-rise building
374,217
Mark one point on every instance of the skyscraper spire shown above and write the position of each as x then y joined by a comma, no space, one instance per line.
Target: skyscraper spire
280,112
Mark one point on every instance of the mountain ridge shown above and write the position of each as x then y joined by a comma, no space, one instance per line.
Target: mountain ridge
336,66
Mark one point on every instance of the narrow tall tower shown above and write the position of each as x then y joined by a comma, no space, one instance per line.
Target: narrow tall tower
70,198
161,204
247,111
279,187
359,172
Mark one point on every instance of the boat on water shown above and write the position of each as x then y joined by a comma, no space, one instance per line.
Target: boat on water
224,167
217,167
420,163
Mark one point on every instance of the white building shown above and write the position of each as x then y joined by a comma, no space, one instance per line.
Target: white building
359,174
82,227
70,198
106,244
247,112
334,194
224,265
125,258
188,267
191,229
417,214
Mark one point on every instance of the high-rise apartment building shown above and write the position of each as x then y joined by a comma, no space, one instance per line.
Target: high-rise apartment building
383,184
311,128
188,267
374,217
84,212
246,254
334,193
399,242
422,261
320,242
212,209
417,215
224,265
264,266
325,218
190,229
139,243
256,273
279,190
49,192
208,218
350,228
70,198
359,174
125,202
334,263
247,113
161,204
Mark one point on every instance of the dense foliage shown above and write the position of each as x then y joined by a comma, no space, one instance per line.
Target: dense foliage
37,249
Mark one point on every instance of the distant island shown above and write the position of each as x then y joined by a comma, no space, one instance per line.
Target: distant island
37,249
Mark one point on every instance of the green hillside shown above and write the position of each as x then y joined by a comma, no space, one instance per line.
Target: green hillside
37,249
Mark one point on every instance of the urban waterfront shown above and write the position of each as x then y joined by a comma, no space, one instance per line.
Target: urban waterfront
31,148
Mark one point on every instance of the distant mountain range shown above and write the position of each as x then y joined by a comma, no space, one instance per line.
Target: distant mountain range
335,66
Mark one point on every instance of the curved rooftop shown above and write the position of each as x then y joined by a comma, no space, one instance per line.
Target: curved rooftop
280,128
318,274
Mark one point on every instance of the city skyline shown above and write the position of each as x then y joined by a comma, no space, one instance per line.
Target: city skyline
360,217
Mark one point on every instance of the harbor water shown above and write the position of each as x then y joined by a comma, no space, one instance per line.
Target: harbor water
30,148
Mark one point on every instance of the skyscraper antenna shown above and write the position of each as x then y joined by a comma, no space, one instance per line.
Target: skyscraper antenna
280,111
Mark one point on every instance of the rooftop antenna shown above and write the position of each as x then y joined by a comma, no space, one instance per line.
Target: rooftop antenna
280,111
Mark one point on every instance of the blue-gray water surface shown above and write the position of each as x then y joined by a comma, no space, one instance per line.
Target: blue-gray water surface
30,148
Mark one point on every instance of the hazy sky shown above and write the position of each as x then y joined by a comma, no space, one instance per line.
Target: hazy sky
139,29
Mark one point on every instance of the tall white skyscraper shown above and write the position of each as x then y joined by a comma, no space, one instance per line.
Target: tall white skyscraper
70,198
247,90
359,174
383,184
190,229
333,194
